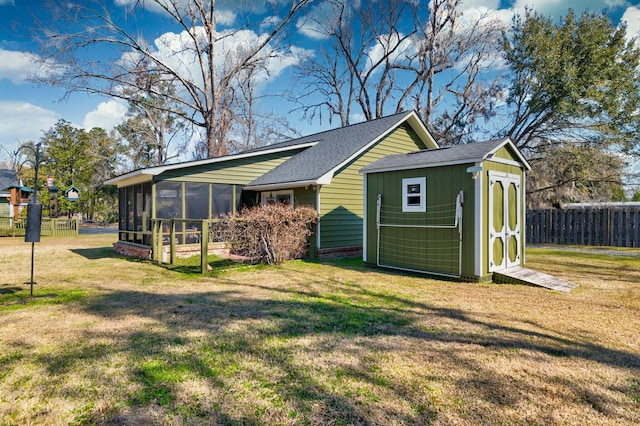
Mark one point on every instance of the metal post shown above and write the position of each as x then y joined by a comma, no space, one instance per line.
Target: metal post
34,201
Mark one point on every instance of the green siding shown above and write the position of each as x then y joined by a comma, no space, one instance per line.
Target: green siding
307,197
418,248
239,171
304,197
442,183
341,202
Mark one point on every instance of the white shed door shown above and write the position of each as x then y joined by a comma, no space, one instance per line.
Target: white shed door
505,216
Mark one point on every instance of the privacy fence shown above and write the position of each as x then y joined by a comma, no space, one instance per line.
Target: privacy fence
49,228
591,226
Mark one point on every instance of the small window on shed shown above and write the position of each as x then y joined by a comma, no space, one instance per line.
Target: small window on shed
414,194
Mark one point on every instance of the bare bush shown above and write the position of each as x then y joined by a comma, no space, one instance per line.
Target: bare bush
272,233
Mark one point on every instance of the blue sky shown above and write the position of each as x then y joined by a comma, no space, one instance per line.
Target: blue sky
27,111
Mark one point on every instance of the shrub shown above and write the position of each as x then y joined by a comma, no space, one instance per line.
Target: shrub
272,233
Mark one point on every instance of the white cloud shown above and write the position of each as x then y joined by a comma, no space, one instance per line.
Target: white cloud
10,2
16,66
106,115
278,64
393,44
223,16
558,8
316,24
488,15
19,66
23,121
481,4
632,17
177,51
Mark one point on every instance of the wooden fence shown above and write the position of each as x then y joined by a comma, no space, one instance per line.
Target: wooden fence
590,226
49,227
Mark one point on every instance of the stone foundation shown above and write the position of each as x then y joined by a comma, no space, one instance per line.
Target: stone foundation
137,251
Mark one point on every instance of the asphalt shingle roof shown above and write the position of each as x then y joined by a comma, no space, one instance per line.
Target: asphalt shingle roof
430,157
7,178
333,148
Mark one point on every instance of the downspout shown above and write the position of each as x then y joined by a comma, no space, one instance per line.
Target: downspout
524,216
364,221
478,224
318,210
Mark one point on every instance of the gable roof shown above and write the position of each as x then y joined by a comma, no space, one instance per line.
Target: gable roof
8,179
450,155
73,188
323,154
334,149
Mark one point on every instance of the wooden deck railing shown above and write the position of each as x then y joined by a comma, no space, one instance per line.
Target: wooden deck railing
174,232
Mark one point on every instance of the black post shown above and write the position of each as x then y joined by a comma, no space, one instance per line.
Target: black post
34,214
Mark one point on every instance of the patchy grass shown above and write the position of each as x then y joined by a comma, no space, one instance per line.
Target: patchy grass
128,342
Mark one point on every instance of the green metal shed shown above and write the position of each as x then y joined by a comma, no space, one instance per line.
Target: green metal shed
454,211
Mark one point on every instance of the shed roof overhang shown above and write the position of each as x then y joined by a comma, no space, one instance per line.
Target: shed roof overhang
405,162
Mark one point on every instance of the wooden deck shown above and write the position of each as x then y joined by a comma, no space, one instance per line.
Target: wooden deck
520,275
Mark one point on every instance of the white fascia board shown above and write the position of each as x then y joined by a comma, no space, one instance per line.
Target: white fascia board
155,171
416,125
423,166
448,163
509,142
419,127
283,185
133,178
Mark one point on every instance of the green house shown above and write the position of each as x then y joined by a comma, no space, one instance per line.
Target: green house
454,211
320,170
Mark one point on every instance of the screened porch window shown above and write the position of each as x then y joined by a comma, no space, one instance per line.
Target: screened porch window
414,195
222,199
135,213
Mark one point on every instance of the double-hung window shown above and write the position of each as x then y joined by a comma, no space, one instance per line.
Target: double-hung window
414,195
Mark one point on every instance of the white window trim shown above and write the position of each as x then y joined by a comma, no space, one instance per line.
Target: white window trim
422,207
268,194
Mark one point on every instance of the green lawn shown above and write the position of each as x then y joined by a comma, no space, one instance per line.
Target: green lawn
110,340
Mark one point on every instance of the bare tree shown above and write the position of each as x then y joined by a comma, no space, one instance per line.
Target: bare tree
573,172
391,55
255,126
202,58
151,125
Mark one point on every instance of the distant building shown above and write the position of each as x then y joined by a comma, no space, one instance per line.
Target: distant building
13,195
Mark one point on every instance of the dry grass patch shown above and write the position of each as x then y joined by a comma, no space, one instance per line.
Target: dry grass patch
311,343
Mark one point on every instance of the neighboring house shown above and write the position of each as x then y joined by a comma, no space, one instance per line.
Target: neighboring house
7,179
320,170
13,196
454,211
